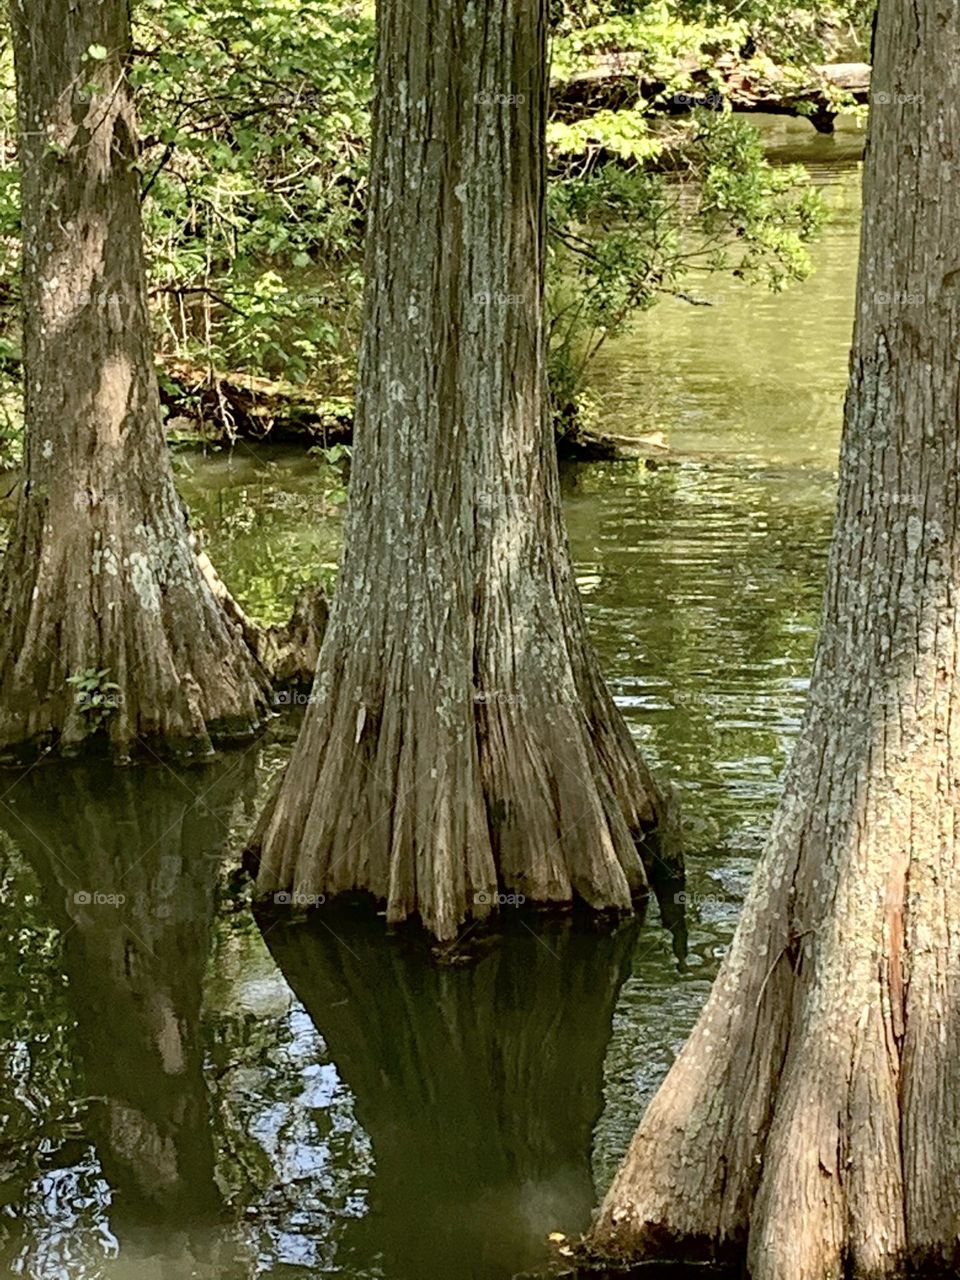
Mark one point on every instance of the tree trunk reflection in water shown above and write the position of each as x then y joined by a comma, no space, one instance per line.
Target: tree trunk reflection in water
479,1084
127,863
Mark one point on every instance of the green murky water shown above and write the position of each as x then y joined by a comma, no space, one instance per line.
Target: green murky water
189,1094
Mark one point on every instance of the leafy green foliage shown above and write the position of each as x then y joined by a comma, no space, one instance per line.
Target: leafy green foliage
97,697
623,235
802,31
255,124
666,40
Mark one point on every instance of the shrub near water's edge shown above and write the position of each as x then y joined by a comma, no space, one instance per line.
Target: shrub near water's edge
255,129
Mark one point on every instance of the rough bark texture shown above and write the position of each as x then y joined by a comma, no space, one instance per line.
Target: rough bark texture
100,572
814,1115
461,739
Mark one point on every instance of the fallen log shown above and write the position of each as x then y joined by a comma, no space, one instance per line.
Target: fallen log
620,79
224,407
229,406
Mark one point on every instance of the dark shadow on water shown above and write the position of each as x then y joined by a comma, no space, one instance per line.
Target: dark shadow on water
127,862
652,1271
479,1083
476,1070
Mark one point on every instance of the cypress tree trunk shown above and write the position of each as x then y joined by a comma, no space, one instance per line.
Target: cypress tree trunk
100,572
814,1115
461,739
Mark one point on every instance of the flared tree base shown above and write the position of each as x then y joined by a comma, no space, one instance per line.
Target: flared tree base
113,639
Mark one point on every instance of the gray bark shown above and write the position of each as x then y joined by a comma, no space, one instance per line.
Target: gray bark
100,572
813,1118
461,739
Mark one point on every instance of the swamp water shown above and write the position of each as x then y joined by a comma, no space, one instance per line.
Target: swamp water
187,1093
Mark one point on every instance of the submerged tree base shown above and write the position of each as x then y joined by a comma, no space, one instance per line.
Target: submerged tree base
507,917
678,1260
107,705
460,744
110,627
442,814
146,749
811,1121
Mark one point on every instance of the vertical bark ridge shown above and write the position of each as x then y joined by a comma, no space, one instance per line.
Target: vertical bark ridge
812,1120
100,572
461,740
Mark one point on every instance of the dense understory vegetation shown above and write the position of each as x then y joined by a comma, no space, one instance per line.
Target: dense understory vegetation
254,123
